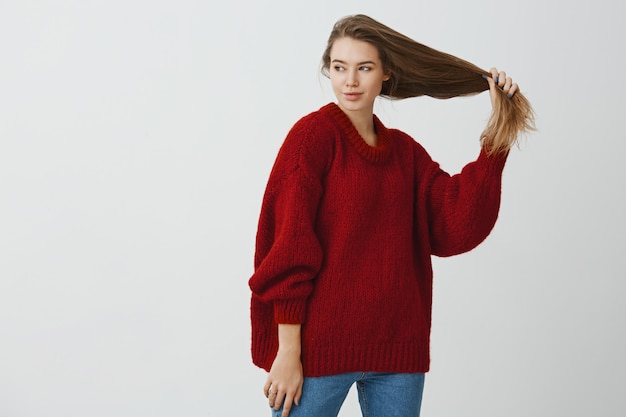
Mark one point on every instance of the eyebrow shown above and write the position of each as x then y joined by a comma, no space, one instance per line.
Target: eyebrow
359,63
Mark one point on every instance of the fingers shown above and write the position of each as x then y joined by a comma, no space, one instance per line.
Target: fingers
274,400
287,405
289,399
505,84
278,398
272,393
494,74
298,395
284,383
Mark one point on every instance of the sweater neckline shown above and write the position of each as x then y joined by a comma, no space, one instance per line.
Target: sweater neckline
378,153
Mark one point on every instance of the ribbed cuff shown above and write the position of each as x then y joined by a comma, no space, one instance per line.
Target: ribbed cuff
493,162
290,312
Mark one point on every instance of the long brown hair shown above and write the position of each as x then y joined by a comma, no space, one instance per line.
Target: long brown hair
417,70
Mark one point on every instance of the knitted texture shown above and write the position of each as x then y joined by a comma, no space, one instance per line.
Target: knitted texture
345,239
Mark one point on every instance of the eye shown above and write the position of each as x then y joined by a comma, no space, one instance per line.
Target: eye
339,68
365,68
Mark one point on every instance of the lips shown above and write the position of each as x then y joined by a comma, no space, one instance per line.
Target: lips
351,96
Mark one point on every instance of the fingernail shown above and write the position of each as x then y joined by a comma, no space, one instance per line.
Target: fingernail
509,95
495,80
485,77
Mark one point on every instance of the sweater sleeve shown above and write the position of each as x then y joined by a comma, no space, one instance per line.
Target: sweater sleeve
288,253
461,209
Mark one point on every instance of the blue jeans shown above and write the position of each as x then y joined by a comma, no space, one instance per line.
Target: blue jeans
380,395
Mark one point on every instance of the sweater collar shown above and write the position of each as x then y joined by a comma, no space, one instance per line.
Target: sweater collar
378,153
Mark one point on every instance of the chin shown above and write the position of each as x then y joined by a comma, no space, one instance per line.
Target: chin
355,105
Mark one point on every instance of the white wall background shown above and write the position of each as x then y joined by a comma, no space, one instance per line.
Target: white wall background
136,137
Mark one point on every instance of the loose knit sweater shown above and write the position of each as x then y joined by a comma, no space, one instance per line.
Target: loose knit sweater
344,244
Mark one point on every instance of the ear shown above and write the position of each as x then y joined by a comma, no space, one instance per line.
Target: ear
387,76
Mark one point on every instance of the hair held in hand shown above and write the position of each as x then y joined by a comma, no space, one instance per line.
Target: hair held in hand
418,70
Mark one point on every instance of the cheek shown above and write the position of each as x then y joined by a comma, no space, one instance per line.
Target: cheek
335,82
376,85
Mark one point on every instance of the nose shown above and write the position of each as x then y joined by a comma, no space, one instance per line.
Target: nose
352,79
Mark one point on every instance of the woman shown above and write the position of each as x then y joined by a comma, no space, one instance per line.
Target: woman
352,213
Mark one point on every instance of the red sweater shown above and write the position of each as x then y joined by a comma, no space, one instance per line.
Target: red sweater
345,239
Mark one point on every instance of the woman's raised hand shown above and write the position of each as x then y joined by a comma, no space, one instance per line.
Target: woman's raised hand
500,81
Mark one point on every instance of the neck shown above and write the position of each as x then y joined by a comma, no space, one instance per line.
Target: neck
363,121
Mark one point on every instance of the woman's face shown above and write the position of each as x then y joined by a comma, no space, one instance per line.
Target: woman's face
356,74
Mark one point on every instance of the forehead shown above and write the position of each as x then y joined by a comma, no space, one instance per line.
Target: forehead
349,49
